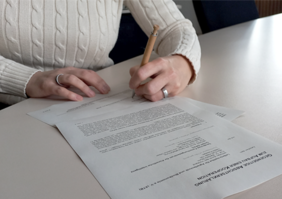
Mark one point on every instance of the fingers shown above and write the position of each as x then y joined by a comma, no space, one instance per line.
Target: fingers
152,69
72,80
81,79
133,70
91,78
172,73
156,97
158,94
63,92
43,84
153,86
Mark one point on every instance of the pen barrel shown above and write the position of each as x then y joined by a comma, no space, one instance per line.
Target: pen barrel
149,49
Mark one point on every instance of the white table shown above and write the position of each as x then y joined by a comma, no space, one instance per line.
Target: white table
241,69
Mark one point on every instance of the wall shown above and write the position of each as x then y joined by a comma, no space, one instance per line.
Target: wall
187,10
269,7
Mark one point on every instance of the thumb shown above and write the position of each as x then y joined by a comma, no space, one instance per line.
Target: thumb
133,70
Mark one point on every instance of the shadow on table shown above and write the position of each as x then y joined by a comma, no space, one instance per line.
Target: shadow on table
2,106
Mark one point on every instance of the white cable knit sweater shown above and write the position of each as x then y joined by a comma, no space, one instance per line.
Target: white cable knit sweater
48,34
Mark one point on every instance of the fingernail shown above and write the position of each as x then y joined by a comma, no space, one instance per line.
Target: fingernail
106,88
79,98
91,93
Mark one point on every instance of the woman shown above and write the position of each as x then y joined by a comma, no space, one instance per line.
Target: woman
39,39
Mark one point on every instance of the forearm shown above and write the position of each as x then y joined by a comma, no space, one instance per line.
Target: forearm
176,34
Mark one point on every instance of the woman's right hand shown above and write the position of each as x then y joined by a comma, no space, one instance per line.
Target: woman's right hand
43,84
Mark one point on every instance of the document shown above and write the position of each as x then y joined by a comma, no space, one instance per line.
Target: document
102,104
171,149
226,113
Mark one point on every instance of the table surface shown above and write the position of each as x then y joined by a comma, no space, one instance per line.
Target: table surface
241,69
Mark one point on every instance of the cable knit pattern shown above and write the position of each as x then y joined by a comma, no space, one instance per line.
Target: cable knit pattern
114,14
37,32
173,9
153,15
50,34
83,26
60,34
12,31
102,36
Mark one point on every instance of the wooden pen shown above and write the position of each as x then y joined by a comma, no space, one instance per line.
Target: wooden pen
149,48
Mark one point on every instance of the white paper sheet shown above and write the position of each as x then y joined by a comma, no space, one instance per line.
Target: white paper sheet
171,149
101,104
226,113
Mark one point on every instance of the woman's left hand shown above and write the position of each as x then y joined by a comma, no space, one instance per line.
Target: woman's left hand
172,73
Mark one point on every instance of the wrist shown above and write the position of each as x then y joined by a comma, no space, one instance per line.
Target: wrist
30,83
185,61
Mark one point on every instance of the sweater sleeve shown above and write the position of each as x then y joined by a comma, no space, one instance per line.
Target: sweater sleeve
176,34
14,77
